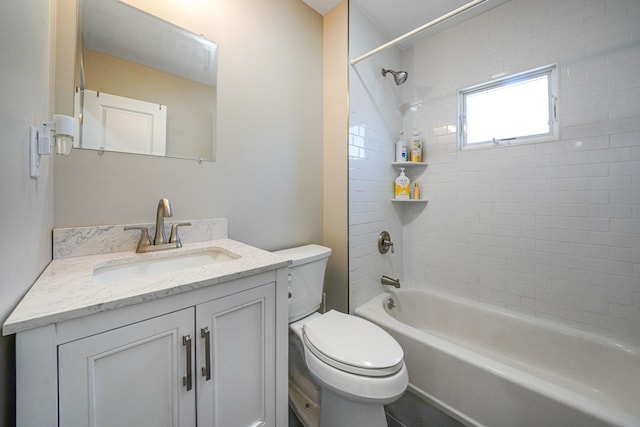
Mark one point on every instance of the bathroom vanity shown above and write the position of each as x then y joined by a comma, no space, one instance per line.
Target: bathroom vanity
111,339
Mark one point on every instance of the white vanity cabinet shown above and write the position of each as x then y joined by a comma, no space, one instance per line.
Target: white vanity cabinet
129,376
237,388
214,357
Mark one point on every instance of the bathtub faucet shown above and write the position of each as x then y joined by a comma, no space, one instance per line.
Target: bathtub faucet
386,280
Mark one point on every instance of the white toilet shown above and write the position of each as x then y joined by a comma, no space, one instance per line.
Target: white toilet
342,368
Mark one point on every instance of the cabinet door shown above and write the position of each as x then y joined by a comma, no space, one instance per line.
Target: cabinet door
241,388
130,376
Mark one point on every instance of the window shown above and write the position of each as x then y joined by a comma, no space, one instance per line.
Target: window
518,108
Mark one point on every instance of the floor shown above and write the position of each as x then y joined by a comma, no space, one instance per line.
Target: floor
293,420
408,411
412,411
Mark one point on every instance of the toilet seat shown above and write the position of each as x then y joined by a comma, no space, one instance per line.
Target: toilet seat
353,345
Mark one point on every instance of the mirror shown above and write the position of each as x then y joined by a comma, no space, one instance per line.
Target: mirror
144,85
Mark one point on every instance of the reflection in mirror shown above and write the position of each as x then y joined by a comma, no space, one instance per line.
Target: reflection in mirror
145,86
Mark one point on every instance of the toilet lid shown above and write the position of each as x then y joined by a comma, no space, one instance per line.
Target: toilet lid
353,344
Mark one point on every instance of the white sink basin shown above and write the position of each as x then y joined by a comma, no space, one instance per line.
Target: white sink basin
137,268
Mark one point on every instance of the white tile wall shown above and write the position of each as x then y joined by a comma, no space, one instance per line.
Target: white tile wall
551,229
374,126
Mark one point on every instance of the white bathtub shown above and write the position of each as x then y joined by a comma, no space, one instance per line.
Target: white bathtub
486,366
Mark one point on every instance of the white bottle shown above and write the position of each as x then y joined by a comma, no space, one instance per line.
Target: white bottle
401,149
402,186
416,147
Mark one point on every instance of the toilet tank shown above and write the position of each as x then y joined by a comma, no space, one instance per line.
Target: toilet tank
306,278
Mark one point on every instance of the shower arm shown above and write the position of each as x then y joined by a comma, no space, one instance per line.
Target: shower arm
420,29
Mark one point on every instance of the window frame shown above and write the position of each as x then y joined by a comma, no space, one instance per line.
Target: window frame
554,128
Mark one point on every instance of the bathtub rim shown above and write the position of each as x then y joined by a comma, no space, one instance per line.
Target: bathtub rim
557,326
373,309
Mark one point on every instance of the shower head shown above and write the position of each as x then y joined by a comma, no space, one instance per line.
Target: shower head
399,76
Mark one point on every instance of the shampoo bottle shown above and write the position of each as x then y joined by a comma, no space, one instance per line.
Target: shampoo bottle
416,147
401,149
403,186
416,190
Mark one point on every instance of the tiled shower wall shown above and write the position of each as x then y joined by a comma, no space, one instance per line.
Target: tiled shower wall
373,126
551,229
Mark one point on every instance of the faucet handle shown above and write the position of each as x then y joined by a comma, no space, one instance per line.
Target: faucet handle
385,243
144,241
174,238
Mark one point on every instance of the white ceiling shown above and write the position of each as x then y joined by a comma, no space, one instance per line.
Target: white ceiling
323,6
397,17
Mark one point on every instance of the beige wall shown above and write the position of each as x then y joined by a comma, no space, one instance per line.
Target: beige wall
336,123
27,204
267,177
190,105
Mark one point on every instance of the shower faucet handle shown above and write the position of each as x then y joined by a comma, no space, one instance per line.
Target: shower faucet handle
385,243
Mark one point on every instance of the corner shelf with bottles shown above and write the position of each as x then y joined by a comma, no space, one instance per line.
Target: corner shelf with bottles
412,170
409,162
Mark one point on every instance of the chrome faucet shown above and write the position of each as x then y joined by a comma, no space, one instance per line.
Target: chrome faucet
386,280
160,242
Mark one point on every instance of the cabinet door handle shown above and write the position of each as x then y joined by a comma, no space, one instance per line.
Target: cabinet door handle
186,380
206,369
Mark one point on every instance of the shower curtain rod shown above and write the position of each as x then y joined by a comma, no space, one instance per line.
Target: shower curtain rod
418,30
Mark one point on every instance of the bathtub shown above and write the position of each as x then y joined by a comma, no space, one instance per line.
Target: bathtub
486,366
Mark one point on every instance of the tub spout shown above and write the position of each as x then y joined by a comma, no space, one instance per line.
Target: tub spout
386,280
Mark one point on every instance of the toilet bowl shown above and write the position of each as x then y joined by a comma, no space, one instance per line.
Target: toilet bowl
342,369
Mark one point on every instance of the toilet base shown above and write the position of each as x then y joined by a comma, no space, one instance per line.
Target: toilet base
338,411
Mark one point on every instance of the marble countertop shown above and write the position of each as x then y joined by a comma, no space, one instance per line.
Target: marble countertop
65,290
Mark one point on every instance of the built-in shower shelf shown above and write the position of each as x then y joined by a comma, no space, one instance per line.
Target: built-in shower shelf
409,164
418,173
